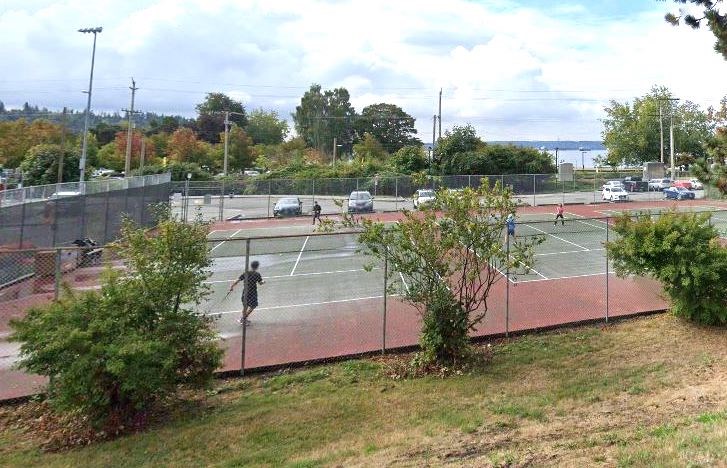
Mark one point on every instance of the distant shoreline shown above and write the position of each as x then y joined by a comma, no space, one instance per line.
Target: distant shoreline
548,145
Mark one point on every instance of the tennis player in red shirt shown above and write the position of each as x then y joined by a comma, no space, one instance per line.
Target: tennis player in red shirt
559,214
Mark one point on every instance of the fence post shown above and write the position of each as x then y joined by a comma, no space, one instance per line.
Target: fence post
314,190
469,180
608,228
396,193
507,288
57,285
244,298
106,219
22,225
269,190
222,201
534,202
386,279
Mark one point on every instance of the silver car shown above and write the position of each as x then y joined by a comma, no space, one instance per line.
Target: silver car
360,201
288,206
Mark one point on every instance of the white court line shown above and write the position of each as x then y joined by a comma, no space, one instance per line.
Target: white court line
231,237
559,238
309,304
406,286
566,277
299,255
567,252
299,274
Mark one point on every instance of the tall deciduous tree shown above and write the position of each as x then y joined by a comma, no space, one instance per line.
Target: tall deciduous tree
709,14
183,146
631,131
40,165
240,149
266,128
461,139
211,120
389,124
17,137
323,116
369,148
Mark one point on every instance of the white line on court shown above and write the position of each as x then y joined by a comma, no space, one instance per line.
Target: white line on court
566,277
309,304
406,286
299,255
299,274
231,237
559,238
567,252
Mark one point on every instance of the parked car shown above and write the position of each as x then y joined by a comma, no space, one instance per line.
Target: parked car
659,184
288,206
423,197
360,201
61,194
613,183
635,184
679,193
614,193
683,183
696,184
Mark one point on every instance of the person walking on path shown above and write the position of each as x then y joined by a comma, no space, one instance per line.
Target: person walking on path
559,214
510,222
316,212
249,293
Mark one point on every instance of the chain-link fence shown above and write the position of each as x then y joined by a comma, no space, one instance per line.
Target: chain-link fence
254,197
324,297
60,214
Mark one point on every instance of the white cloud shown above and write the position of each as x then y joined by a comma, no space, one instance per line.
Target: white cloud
515,72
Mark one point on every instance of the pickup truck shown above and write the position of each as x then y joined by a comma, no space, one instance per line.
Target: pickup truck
635,184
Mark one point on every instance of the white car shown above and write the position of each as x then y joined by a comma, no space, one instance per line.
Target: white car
696,184
613,183
615,193
423,197
659,184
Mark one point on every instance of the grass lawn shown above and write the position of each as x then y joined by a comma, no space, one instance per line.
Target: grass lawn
650,391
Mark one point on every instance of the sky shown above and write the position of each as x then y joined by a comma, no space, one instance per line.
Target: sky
515,70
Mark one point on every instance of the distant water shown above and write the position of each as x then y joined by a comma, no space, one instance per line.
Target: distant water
578,158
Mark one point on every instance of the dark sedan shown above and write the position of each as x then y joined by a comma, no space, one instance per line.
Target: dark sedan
679,193
290,206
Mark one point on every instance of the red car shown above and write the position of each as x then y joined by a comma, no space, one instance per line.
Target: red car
682,183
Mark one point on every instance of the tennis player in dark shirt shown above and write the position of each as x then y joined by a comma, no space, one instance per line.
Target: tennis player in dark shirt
316,213
249,297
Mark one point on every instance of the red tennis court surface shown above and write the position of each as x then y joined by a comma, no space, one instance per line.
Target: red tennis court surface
332,308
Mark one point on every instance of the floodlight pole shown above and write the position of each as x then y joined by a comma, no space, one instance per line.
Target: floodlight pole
84,147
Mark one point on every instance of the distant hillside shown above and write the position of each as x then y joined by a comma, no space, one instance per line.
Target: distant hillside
552,145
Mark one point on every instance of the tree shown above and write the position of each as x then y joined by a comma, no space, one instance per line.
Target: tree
266,128
500,159
183,146
210,121
323,116
389,124
716,21
240,150
451,255
682,251
461,139
409,159
17,137
40,165
369,148
106,133
112,354
167,125
631,131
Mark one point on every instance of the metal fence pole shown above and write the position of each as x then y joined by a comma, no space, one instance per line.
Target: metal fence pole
396,193
244,298
269,190
608,228
386,279
314,190
534,202
222,201
507,288
57,285
22,225
106,219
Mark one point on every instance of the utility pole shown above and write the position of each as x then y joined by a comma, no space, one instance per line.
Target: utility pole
84,147
672,174
63,146
334,150
227,137
130,130
141,157
661,133
434,142
440,112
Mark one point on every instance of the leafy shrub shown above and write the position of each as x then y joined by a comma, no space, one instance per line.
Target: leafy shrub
682,251
112,354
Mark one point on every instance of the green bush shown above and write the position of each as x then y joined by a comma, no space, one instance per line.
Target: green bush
682,251
113,354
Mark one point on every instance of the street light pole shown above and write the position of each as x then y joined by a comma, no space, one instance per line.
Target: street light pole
227,137
84,147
